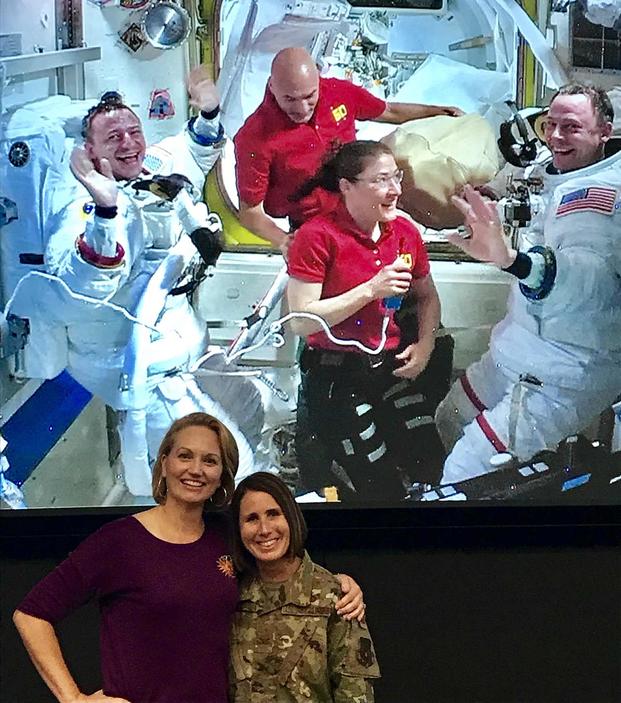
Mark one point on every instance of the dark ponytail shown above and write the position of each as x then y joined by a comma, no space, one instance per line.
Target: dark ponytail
348,162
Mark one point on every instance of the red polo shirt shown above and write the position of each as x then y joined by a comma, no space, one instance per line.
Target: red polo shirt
331,249
275,156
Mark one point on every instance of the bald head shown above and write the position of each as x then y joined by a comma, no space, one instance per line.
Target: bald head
294,83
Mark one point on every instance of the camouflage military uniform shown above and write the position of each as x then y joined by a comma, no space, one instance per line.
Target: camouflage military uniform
288,645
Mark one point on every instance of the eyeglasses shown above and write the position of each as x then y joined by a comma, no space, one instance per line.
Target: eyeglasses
110,100
383,180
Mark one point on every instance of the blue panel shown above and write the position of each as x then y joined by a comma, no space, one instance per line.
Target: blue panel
36,427
575,482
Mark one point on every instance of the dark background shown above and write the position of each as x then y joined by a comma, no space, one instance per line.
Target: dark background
466,604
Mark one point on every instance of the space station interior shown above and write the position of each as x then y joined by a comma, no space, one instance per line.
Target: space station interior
91,380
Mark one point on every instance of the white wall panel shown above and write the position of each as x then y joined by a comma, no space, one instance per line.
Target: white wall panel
135,75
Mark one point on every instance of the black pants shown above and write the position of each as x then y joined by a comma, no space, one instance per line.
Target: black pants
371,422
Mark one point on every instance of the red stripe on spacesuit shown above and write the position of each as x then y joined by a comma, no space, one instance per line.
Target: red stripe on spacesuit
471,395
489,433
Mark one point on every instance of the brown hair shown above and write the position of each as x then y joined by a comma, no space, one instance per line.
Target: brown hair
108,102
347,162
263,482
598,97
228,450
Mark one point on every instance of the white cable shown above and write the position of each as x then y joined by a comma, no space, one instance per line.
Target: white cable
215,372
271,334
277,325
201,360
79,296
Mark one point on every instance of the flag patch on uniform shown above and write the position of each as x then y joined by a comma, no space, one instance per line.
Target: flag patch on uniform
593,199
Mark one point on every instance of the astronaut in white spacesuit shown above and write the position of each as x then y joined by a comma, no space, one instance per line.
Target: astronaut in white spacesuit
126,248
554,361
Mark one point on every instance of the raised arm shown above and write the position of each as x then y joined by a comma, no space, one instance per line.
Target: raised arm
42,644
485,240
206,134
83,247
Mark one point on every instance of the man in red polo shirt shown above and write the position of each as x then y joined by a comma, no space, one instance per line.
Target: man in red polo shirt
283,143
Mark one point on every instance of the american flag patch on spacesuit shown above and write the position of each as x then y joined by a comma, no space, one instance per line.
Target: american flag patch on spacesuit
593,199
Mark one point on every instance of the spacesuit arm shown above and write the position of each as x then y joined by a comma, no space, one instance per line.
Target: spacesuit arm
194,152
84,251
191,153
582,258
204,135
571,275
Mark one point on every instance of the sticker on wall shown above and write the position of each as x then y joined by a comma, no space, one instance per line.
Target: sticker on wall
19,154
161,106
134,4
133,37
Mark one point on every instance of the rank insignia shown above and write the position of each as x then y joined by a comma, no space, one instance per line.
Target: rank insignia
364,653
339,113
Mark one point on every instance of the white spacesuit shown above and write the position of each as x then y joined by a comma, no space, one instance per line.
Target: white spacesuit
554,361
139,368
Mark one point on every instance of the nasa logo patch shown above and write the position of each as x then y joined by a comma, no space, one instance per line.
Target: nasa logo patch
19,154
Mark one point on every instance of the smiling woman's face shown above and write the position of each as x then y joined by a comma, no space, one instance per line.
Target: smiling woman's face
194,466
374,193
264,528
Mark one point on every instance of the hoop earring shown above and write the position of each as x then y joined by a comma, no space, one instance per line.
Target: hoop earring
224,502
162,487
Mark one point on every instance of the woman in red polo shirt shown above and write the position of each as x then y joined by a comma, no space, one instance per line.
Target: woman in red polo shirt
352,267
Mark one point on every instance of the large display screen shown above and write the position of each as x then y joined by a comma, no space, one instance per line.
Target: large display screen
503,393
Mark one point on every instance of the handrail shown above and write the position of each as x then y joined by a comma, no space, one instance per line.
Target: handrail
49,60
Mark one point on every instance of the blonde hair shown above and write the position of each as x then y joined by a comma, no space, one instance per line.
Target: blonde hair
228,451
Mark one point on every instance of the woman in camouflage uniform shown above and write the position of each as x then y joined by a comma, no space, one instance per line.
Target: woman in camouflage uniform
288,643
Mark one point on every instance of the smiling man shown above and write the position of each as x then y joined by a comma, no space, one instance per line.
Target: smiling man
554,362
302,118
109,243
